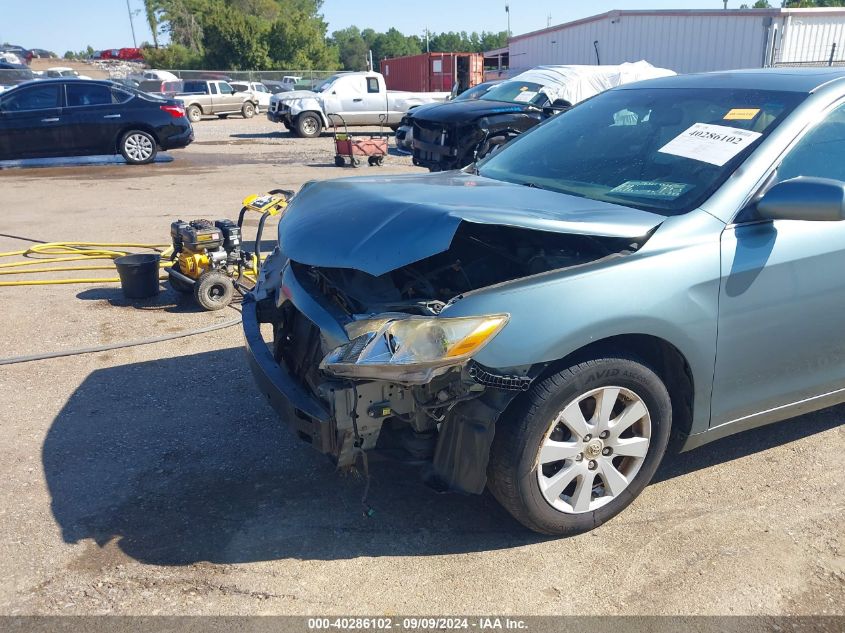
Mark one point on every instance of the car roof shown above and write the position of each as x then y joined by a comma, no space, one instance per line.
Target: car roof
804,80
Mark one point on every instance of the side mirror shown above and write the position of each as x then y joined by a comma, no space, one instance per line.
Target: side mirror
559,105
804,198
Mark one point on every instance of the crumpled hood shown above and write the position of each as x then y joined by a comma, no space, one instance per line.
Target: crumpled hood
380,224
295,94
466,111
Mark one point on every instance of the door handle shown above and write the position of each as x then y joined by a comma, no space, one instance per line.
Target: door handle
51,120
112,116
357,100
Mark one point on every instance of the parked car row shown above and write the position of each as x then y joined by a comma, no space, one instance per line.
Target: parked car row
76,117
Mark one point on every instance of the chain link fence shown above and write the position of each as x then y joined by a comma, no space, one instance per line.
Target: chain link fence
832,54
305,79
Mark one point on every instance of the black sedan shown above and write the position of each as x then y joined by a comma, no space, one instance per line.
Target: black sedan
81,117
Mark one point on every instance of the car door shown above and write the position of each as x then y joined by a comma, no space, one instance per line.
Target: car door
93,117
229,100
782,299
351,98
31,122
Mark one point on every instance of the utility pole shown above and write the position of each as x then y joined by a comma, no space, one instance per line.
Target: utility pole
427,41
726,4
131,25
508,11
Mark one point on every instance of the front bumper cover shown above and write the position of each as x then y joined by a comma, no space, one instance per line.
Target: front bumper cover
290,400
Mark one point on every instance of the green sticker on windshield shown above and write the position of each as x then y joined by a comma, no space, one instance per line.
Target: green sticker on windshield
652,189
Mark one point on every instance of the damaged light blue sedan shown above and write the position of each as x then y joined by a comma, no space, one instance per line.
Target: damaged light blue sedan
667,258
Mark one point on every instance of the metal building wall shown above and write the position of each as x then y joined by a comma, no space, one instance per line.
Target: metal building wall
811,38
684,41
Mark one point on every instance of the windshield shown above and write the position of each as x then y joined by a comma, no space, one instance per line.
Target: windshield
476,92
662,150
327,84
518,92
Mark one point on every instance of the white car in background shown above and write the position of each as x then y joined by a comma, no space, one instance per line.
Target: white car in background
261,94
63,71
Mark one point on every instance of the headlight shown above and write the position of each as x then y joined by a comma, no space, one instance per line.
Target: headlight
410,349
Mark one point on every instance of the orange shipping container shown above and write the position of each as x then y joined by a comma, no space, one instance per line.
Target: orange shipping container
433,72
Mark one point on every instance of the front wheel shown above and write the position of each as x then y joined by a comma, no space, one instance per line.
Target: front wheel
248,110
308,125
138,147
585,443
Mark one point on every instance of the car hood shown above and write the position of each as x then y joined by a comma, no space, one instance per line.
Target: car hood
296,94
465,111
380,224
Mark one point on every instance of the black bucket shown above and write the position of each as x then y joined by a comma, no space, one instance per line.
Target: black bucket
138,275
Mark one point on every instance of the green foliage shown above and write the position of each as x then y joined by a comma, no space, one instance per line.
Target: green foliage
173,56
352,48
809,4
353,44
281,34
83,54
233,40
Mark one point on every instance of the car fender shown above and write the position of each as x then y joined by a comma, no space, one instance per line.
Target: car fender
668,290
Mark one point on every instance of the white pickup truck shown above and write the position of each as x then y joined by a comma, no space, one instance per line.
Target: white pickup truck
360,98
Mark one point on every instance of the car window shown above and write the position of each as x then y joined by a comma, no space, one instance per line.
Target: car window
120,96
661,150
372,84
87,94
34,98
212,88
518,92
225,88
820,153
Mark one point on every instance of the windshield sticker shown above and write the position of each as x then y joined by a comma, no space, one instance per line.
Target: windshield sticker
741,114
714,144
652,189
525,96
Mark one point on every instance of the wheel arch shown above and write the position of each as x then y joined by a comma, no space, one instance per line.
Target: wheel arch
143,127
667,361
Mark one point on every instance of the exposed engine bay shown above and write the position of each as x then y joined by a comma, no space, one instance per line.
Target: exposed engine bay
480,256
448,416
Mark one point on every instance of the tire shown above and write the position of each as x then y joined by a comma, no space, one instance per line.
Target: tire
308,125
356,162
528,488
194,114
138,147
248,110
214,290
339,162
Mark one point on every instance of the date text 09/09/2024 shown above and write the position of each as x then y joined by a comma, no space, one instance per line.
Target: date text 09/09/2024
481,623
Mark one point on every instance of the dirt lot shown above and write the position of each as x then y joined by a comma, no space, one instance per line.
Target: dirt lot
155,480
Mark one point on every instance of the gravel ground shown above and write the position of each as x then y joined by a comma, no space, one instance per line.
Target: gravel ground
154,480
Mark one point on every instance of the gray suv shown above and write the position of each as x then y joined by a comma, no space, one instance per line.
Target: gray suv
665,259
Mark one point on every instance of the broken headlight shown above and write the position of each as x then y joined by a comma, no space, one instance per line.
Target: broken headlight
410,349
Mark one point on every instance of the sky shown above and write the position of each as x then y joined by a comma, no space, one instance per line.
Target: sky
61,25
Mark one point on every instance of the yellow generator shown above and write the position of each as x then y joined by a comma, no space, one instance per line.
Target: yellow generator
208,258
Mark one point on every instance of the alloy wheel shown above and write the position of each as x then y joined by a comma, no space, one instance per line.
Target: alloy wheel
139,147
593,449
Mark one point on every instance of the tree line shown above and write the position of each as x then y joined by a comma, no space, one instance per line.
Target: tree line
278,35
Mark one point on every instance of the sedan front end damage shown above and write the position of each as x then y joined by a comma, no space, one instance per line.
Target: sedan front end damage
365,354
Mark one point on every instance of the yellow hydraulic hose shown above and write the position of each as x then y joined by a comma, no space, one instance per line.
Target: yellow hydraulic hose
62,252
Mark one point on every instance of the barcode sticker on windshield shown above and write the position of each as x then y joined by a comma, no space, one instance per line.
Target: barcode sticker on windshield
714,144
